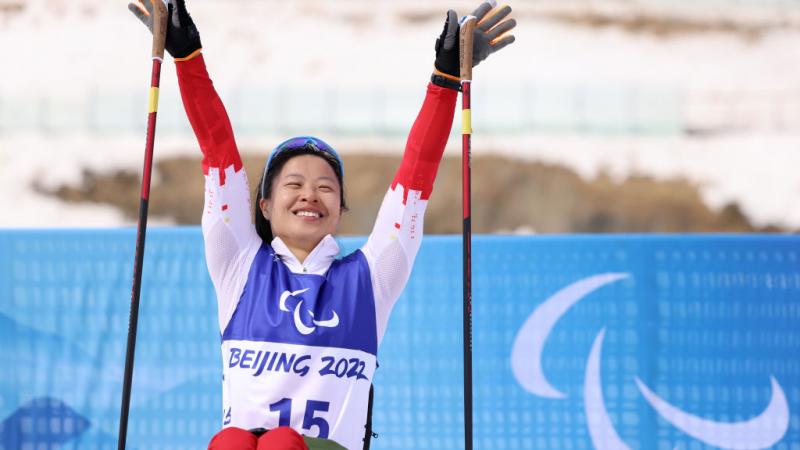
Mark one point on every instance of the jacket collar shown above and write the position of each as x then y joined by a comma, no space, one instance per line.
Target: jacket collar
317,262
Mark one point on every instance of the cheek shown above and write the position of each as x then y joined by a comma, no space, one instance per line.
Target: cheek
334,205
281,199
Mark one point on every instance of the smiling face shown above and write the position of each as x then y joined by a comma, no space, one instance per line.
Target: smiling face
305,203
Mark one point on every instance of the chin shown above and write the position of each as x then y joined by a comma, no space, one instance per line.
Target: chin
310,235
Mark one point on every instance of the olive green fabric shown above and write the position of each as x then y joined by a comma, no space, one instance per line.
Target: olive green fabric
322,444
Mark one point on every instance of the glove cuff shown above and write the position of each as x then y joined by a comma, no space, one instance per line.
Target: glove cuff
445,80
190,56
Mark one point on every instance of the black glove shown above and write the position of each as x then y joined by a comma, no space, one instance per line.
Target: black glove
488,38
183,40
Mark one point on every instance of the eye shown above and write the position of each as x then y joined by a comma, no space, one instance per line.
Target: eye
326,188
293,184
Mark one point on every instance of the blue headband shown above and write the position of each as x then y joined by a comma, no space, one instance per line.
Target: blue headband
310,143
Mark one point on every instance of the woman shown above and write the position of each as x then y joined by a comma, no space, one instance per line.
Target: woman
300,328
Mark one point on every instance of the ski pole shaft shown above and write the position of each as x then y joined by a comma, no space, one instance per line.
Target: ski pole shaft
159,36
465,52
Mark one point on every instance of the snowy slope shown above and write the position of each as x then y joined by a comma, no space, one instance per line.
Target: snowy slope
745,91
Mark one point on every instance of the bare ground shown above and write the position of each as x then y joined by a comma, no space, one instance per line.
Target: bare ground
508,196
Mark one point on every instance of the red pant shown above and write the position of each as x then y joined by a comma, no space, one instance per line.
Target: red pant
281,438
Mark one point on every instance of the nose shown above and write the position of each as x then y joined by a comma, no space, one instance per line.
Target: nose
309,194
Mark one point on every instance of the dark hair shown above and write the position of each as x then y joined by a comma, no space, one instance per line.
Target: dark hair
263,227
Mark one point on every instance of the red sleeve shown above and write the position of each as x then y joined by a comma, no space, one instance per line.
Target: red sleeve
208,117
231,241
426,142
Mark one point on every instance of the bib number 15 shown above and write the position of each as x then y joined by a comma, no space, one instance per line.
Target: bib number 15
310,418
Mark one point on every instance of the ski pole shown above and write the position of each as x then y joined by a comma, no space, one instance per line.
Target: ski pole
159,37
465,52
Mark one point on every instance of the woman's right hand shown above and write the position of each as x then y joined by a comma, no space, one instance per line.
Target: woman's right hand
183,40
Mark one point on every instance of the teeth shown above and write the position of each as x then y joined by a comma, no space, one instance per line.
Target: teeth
307,214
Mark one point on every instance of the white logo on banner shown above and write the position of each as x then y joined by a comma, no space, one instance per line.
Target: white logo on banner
298,323
762,431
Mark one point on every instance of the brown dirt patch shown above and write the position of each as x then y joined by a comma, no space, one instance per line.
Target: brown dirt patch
665,25
508,195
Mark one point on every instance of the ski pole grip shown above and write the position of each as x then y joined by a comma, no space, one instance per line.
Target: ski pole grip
465,46
160,13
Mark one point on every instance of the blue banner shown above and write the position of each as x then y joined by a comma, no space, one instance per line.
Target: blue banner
580,342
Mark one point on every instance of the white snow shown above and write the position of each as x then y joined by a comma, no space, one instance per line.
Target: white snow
65,60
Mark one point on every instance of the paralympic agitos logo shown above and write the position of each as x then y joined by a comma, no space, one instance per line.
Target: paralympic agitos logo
301,327
762,431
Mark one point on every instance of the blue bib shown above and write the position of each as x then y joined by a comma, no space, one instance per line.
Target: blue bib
333,310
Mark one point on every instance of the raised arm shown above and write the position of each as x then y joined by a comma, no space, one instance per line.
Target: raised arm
227,227
230,238
395,239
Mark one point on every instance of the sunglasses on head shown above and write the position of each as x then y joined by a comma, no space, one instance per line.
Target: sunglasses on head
309,143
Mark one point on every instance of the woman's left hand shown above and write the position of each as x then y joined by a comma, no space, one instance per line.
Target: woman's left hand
491,34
